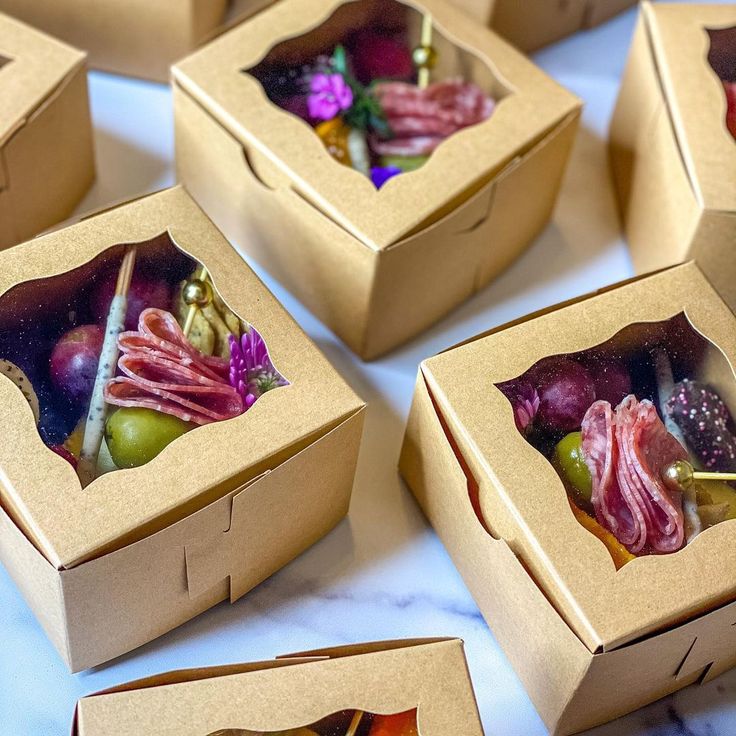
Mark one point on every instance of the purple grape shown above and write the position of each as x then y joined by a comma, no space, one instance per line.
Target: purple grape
566,391
612,381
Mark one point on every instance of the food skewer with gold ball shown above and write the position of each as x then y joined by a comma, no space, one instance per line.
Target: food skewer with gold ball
94,428
197,294
425,55
681,475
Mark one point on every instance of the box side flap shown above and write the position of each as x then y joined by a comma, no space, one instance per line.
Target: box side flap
531,632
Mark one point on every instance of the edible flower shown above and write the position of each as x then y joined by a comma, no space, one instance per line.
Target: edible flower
329,95
251,371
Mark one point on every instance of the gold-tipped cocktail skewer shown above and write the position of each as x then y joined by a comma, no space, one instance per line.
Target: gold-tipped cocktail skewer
197,293
425,55
681,475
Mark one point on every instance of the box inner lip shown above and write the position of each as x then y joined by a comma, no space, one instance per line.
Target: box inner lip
584,624
560,103
660,55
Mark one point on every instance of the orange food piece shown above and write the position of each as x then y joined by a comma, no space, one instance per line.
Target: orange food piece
619,553
334,134
401,724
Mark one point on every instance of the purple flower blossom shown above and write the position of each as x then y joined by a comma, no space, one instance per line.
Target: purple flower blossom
329,95
381,174
251,371
525,402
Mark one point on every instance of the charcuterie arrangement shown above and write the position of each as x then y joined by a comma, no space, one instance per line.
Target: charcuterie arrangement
722,58
346,723
130,358
372,100
633,432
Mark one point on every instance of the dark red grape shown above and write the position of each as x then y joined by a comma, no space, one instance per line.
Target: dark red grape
566,391
74,359
612,381
144,292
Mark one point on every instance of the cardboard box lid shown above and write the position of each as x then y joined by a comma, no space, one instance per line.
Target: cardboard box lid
36,65
695,97
42,491
534,104
288,693
528,506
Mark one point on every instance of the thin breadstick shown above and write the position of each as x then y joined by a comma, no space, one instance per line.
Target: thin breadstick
94,428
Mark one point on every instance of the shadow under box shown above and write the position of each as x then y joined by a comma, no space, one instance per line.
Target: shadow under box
357,79
624,423
722,57
121,333
345,723
4,61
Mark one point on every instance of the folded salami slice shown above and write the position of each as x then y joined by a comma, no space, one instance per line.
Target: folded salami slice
162,371
420,119
626,451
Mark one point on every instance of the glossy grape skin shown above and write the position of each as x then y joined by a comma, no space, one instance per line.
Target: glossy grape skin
73,363
135,436
144,292
566,391
612,381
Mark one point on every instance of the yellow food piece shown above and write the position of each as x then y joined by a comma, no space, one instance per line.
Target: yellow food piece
619,553
73,442
334,134
212,325
716,492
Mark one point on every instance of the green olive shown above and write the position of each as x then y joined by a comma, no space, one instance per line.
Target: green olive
569,461
135,436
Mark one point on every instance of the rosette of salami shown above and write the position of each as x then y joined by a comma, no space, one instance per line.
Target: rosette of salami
163,371
626,450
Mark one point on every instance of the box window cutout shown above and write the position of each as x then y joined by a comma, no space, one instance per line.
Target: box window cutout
625,424
345,723
380,85
722,58
4,61
120,357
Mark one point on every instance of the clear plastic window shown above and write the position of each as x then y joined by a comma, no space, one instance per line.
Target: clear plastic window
122,356
626,424
380,85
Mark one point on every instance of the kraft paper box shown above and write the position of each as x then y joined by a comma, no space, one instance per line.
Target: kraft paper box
531,24
425,680
219,509
378,266
46,149
589,641
672,155
141,38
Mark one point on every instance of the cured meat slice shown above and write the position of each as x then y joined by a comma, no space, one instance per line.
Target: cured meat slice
162,371
626,452
420,119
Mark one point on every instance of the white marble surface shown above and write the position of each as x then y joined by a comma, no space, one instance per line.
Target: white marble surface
382,573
